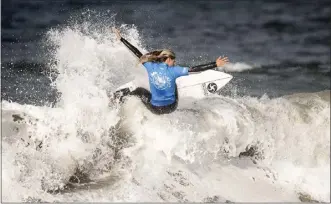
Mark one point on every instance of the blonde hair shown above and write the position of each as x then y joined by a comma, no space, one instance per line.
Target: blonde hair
157,56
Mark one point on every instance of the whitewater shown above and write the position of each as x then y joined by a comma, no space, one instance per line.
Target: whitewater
218,149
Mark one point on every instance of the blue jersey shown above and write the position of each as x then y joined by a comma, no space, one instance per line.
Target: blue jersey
162,82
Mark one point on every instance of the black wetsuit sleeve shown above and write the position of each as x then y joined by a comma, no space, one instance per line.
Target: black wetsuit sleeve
203,67
132,48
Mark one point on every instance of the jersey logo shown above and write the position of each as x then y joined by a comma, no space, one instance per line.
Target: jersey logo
212,87
160,80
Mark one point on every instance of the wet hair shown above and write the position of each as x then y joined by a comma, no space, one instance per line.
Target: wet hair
157,56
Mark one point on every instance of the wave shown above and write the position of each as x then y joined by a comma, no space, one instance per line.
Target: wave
84,142
48,147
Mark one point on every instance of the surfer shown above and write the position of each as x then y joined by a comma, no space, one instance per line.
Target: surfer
162,74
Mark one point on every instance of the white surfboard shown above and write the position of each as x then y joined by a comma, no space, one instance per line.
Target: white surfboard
195,85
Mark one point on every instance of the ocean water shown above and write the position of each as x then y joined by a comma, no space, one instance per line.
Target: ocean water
265,137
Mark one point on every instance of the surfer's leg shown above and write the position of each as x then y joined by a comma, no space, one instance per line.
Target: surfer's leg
143,94
146,96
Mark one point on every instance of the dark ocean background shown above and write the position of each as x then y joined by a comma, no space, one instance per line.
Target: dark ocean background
286,42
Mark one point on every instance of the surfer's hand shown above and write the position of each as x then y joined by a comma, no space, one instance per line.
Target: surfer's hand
117,33
221,61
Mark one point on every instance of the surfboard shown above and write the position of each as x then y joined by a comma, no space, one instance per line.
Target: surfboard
195,85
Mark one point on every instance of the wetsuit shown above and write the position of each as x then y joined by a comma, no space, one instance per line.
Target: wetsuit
163,97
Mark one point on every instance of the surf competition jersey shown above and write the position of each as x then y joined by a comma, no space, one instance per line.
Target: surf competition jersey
162,82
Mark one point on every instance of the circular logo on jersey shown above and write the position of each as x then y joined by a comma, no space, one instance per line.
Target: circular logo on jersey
160,80
212,87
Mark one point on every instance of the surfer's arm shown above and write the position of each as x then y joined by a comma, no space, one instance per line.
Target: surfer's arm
202,67
218,63
132,48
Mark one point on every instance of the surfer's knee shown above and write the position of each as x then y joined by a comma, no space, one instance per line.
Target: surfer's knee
120,94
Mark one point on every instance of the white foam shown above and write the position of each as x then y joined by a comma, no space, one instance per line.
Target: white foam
237,67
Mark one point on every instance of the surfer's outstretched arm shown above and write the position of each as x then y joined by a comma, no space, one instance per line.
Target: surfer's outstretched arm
133,49
218,63
203,67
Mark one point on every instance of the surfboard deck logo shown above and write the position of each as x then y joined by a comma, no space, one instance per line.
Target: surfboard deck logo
212,87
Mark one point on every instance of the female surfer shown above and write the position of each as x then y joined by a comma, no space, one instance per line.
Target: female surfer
162,74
